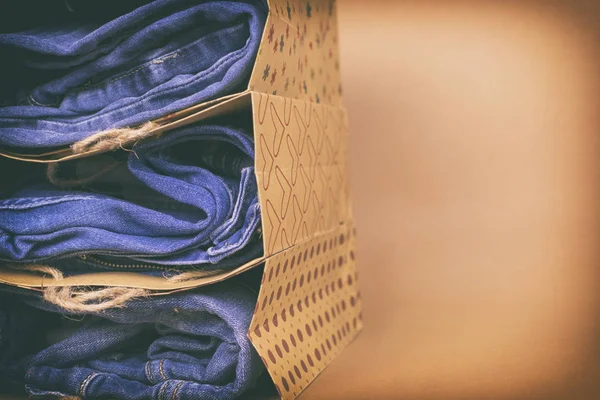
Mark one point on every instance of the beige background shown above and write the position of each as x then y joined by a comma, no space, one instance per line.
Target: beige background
474,152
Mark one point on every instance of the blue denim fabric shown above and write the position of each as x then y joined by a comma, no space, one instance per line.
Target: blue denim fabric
20,331
189,345
70,80
188,198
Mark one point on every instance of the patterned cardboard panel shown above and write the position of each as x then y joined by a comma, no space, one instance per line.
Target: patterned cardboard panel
298,57
301,169
309,309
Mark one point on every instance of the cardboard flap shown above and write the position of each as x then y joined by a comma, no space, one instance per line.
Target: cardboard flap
298,56
308,310
301,161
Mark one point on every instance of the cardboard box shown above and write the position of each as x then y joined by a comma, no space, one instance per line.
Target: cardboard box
309,305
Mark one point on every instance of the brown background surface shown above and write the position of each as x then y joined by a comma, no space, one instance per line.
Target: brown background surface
475,179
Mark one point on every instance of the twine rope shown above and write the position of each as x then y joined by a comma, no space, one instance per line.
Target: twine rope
87,300
76,300
113,139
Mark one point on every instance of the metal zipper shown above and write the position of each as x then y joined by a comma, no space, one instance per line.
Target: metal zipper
93,260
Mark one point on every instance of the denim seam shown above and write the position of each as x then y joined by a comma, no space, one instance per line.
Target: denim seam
30,99
148,64
85,383
202,75
158,60
176,390
105,43
18,204
161,394
149,373
142,98
160,369
226,247
247,233
118,77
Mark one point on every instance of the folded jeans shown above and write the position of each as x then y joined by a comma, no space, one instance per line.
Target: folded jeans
189,345
68,80
188,198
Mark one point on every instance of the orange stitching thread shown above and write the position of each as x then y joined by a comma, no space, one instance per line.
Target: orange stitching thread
160,368
149,373
85,383
161,395
176,390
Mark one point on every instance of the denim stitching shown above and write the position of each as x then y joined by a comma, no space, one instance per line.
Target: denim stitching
118,77
85,383
176,390
37,103
15,204
166,57
149,373
161,394
171,55
215,252
160,369
208,72
148,64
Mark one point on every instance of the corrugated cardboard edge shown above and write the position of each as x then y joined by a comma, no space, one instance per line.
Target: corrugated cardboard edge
309,309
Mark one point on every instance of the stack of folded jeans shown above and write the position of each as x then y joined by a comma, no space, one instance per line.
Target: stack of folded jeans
184,201
190,345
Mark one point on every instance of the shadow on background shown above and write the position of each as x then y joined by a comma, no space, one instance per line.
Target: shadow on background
474,145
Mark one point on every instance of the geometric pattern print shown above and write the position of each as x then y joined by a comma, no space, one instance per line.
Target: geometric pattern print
298,56
301,161
308,309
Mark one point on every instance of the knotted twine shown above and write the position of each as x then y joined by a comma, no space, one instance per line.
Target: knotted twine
79,299
109,140
113,139
76,300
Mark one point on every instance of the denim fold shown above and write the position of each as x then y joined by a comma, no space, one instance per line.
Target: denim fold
69,80
189,345
186,199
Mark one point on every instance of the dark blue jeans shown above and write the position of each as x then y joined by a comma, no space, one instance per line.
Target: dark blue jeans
67,80
189,345
189,198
